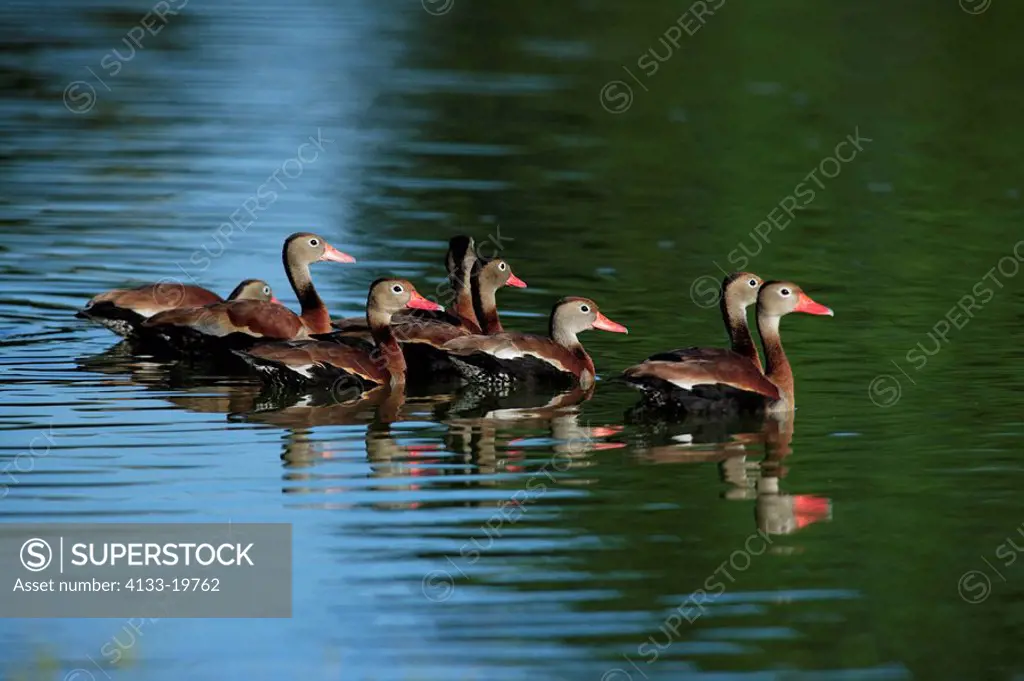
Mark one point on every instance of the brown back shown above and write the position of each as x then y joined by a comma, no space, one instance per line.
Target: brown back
355,360
706,366
251,317
150,299
512,345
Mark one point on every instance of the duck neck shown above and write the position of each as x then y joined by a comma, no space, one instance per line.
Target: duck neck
388,351
566,337
735,317
777,367
314,312
486,306
563,335
462,283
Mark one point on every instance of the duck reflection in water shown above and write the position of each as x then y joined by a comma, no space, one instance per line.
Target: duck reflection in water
188,384
304,454
121,365
523,432
729,444
477,420
477,442
483,434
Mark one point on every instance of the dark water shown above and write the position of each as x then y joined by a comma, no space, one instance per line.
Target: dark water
868,539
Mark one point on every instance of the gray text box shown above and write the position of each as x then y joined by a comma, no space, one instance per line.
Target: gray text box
146,570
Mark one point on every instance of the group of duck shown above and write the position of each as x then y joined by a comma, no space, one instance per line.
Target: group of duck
405,337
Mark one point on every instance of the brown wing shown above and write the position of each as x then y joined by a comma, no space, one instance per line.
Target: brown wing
513,346
693,353
251,317
406,317
150,299
351,324
354,328
430,332
422,316
304,357
703,367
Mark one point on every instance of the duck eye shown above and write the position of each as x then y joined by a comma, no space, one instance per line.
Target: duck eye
266,290
397,288
501,266
753,283
584,308
314,242
784,292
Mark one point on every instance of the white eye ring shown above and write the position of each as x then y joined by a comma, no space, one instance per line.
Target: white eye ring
784,292
314,242
397,288
584,308
266,290
501,266
753,283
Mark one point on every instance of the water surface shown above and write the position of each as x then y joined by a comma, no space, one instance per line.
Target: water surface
839,540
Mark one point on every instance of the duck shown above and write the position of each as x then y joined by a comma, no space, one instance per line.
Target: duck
503,359
739,292
337,365
123,310
722,382
422,334
489,276
423,340
240,323
460,258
